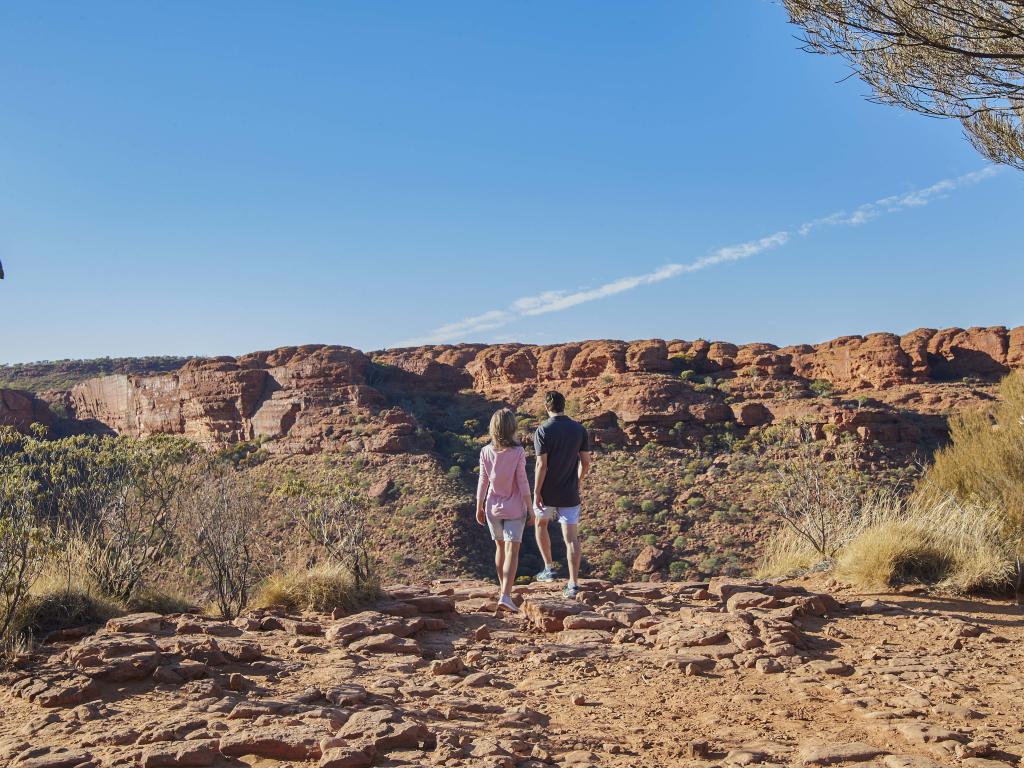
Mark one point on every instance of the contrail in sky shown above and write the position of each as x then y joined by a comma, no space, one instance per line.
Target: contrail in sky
558,301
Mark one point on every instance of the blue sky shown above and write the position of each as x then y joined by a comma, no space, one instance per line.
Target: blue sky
215,178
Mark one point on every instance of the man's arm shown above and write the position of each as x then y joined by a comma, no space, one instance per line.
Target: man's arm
584,467
539,473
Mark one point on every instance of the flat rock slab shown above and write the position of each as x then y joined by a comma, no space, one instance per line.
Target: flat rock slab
140,623
197,753
59,758
923,733
280,742
910,761
549,614
835,754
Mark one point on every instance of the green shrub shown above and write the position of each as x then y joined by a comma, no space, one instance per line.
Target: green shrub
679,543
711,565
650,539
648,507
677,569
624,503
694,501
821,387
618,571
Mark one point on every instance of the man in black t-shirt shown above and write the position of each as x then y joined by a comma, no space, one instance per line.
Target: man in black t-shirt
563,460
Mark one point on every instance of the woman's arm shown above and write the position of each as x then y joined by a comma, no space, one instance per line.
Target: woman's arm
482,486
522,482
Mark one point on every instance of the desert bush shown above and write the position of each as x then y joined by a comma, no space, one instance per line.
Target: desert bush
711,565
820,501
23,547
677,569
223,538
108,501
153,600
324,588
821,387
618,571
648,507
335,521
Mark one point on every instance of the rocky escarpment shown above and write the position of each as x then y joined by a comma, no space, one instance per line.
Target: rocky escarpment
880,388
22,409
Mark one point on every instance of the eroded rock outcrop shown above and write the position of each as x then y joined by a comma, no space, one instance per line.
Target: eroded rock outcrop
313,398
21,409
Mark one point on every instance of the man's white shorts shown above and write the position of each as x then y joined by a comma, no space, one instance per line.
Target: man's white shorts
563,515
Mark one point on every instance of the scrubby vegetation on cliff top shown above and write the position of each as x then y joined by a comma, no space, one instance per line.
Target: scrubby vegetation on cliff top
57,375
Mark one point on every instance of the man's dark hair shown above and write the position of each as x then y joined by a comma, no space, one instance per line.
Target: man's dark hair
554,402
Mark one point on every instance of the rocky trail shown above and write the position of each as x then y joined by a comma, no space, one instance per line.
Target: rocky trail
722,673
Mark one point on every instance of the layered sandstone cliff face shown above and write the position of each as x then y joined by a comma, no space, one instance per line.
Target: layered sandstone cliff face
21,409
886,388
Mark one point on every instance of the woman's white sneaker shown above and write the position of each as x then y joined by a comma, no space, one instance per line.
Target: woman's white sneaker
506,602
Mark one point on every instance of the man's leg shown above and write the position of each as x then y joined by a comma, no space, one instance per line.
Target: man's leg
540,529
509,567
499,563
573,554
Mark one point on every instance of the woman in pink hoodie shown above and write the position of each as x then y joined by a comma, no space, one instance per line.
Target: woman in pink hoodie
503,499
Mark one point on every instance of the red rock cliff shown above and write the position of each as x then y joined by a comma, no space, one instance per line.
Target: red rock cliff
311,398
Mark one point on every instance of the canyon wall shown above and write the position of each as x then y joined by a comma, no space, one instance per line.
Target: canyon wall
881,387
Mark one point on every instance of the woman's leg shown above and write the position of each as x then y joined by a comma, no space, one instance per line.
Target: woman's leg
499,563
510,566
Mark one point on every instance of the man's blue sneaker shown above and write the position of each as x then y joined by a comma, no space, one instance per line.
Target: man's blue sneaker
570,591
548,574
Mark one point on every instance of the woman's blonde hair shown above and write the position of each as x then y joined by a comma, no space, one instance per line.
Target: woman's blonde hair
503,429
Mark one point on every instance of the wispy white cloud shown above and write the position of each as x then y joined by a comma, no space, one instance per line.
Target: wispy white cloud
896,203
557,301
464,328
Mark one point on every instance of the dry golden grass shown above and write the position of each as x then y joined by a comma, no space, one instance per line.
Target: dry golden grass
790,551
984,464
155,601
55,604
940,541
323,588
786,553
962,529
